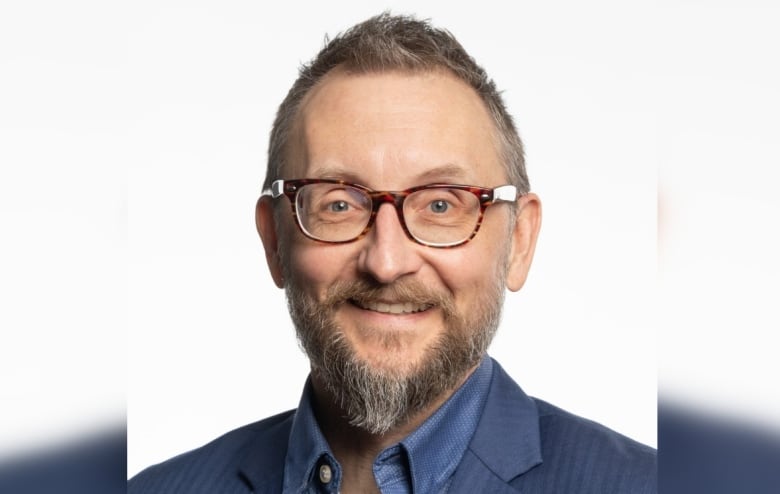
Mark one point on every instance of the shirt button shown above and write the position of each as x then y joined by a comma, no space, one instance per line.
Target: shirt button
325,474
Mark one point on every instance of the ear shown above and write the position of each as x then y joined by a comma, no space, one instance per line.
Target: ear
266,227
524,235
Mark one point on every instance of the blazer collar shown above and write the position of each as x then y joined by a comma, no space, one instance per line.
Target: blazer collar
262,467
506,443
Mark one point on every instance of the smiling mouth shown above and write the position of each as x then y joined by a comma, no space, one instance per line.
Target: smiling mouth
391,308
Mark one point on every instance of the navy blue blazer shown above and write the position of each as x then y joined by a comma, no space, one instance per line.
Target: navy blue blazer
521,445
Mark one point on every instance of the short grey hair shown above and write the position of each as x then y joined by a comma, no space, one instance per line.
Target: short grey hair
396,42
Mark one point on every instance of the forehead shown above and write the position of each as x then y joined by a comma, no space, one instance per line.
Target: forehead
395,130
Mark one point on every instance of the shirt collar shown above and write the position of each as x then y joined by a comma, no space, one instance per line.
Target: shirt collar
307,446
436,447
433,450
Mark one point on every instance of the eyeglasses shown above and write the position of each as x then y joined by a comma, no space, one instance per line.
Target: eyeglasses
436,215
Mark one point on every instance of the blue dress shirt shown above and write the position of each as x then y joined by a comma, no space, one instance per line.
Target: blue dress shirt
424,461
521,445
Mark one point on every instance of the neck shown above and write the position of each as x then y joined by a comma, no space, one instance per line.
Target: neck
354,447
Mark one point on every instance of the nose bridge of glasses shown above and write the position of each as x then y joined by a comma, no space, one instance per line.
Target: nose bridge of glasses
394,200
381,197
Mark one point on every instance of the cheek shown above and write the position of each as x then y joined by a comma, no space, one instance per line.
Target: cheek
479,268
469,274
316,267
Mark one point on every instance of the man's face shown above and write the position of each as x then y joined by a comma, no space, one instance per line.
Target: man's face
385,305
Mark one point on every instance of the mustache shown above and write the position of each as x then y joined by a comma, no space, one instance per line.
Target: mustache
405,291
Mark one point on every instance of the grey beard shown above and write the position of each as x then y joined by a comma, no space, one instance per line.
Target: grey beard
377,400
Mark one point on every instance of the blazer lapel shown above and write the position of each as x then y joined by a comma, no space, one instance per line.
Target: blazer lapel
262,468
506,443
474,476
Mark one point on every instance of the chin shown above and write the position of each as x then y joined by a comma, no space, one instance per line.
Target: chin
398,353
395,363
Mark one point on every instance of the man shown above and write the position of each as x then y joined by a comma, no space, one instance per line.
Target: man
397,209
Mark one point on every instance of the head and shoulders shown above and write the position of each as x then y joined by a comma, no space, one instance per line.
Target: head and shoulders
397,213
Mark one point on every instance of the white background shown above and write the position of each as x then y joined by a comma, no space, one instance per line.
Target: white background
132,144
211,344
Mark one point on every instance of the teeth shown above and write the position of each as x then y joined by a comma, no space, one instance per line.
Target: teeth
405,308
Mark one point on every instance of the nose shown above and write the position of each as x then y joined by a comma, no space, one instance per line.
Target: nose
388,253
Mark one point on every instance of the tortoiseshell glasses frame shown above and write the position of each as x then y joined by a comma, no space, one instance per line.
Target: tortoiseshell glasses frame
485,197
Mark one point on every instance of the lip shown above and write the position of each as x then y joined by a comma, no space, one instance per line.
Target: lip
391,308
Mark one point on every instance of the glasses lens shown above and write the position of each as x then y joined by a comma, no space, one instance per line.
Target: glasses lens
441,216
332,212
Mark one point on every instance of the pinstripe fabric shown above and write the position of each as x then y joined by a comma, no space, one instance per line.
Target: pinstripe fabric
216,467
521,445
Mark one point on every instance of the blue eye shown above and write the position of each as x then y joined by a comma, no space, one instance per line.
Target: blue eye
439,206
338,206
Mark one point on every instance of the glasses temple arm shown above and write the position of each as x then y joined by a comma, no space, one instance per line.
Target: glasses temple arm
506,193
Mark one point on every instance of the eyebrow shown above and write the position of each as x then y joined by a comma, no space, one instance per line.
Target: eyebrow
446,173
335,173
